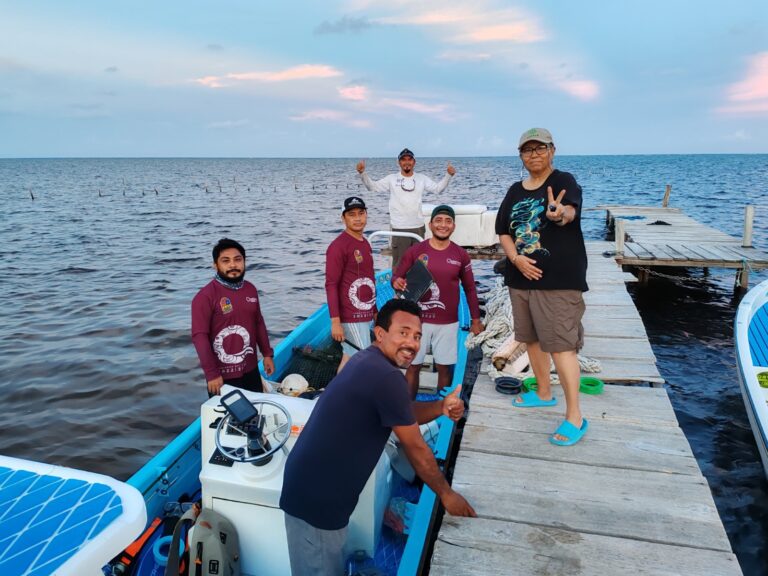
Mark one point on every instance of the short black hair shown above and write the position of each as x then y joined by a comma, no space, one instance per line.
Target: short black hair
384,317
225,244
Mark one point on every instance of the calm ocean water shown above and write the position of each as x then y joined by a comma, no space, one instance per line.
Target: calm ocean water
97,370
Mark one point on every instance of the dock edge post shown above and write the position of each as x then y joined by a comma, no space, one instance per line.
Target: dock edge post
667,192
619,230
749,216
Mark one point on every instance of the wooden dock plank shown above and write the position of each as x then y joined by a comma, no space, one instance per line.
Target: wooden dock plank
626,349
660,450
628,404
481,546
652,506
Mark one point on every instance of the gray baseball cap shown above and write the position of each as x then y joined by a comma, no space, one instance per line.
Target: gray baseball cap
537,134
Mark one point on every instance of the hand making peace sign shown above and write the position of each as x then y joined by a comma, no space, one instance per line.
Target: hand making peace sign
555,210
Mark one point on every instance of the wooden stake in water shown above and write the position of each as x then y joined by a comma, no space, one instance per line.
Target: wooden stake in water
749,216
667,192
619,229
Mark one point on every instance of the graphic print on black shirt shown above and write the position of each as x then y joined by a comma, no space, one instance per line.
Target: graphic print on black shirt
525,225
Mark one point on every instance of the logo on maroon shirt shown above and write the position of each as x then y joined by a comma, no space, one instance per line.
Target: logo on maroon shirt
431,298
236,357
354,294
358,256
226,305
424,259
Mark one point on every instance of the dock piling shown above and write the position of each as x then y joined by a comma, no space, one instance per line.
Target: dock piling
749,216
619,228
667,192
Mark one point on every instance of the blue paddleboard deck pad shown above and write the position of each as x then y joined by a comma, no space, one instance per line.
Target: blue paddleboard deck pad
63,521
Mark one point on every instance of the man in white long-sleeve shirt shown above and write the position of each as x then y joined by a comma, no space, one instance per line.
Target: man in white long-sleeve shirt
406,189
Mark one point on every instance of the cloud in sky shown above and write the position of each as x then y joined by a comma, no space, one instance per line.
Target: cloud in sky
344,25
301,72
750,95
228,124
335,116
356,92
509,37
463,56
111,69
415,106
468,23
582,89
738,136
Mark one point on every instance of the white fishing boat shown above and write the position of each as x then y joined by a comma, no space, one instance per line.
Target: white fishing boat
751,337
62,521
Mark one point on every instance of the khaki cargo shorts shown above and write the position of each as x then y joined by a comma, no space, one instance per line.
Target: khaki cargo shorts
550,317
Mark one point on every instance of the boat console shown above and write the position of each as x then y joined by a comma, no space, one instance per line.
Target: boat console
242,476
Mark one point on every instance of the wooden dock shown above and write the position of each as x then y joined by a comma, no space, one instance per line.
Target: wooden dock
613,330
629,499
649,236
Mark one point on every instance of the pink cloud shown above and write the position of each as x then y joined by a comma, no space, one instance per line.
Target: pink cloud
301,72
210,81
750,95
755,85
357,92
582,89
521,32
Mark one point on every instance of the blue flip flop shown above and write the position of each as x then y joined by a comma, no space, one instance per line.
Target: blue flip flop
532,400
569,431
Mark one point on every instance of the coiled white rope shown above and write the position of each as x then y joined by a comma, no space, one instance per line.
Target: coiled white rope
498,332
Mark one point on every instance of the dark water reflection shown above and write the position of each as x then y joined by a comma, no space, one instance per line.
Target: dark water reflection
96,367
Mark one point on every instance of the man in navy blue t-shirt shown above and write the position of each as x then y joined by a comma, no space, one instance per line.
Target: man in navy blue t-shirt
345,436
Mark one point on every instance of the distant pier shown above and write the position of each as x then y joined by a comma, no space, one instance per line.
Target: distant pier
659,236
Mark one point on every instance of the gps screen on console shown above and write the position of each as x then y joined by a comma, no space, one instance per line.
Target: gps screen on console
239,407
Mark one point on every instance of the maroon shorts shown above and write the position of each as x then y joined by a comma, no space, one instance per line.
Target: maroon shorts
550,317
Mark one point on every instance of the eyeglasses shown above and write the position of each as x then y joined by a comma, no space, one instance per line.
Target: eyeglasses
540,150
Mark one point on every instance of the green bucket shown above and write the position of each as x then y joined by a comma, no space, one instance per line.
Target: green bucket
587,385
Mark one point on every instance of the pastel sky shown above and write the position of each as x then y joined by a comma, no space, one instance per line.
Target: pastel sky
364,78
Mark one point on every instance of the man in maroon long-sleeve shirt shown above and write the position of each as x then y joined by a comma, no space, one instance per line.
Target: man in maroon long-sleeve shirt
350,287
227,325
449,264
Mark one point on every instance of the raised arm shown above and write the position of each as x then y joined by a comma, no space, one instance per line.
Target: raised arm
374,186
432,188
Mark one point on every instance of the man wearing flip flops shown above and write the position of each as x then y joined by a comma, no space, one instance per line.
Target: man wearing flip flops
539,228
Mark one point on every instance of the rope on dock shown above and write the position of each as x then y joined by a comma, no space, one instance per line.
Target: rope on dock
497,341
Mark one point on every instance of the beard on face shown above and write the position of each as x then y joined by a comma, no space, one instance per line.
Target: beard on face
233,279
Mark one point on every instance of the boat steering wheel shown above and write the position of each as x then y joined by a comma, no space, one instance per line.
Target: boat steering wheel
277,424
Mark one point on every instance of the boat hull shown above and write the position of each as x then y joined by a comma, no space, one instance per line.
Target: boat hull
751,341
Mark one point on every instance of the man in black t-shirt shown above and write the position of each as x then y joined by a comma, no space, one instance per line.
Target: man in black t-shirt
345,436
546,274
